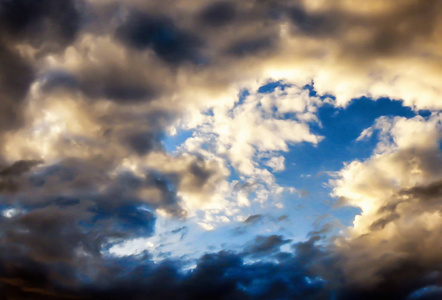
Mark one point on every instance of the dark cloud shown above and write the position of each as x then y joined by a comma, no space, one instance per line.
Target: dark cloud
265,245
222,275
313,24
169,199
399,282
310,272
115,84
63,200
171,44
9,176
252,219
144,142
393,32
200,172
63,225
218,13
380,223
16,78
249,221
404,26
19,167
432,191
47,25
41,21
251,46
283,218
428,197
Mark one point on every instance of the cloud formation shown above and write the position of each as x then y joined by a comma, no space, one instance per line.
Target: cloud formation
393,242
89,89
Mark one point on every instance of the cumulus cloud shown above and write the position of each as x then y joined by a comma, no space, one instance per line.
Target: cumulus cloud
394,239
254,130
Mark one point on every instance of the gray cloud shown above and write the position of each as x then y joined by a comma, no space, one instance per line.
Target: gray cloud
14,83
252,219
10,176
159,33
432,191
218,13
265,245
113,83
54,21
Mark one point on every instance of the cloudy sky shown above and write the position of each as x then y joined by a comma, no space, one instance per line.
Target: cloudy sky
253,149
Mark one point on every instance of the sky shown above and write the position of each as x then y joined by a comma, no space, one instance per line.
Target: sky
253,149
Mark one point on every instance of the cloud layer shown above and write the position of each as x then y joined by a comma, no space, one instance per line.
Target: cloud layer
90,89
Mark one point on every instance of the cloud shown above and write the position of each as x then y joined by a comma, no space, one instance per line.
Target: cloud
199,182
265,245
249,133
9,176
161,35
397,190
89,89
253,219
14,84
276,163
250,129
108,82
46,25
53,20
218,14
425,193
222,275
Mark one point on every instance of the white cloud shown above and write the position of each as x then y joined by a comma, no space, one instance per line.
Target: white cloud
250,128
276,163
248,135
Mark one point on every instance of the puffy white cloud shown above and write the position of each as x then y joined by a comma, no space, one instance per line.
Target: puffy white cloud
256,125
